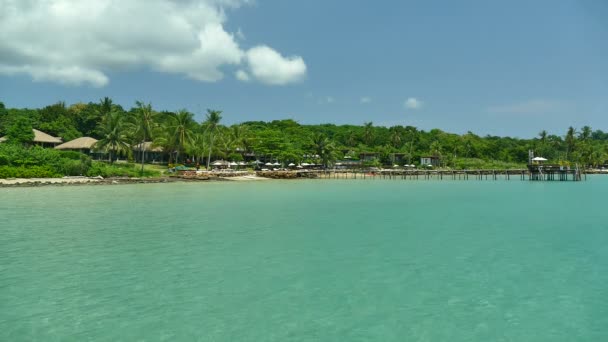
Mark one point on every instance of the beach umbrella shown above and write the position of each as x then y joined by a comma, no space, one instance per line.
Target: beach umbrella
305,164
276,164
242,163
256,162
299,166
233,164
539,159
291,164
395,165
268,164
217,163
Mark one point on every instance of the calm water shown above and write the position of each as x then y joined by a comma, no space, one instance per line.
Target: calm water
306,261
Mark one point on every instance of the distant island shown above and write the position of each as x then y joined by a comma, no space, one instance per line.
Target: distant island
87,138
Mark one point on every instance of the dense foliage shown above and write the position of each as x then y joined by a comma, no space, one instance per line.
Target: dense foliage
286,141
17,161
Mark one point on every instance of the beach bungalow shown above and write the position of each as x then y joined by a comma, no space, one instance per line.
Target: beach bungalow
429,160
82,145
368,156
154,154
41,139
399,158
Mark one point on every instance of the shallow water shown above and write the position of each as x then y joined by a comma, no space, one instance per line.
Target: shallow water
383,260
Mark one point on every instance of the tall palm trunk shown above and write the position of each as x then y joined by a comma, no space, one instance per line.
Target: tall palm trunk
210,149
143,155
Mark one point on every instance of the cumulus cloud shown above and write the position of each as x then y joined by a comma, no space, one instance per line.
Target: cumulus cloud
242,75
268,66
365,99
79,42
413,103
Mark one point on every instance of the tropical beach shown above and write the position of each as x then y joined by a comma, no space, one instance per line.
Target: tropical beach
238,170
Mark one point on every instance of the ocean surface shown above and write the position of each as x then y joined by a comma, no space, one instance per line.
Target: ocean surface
310,260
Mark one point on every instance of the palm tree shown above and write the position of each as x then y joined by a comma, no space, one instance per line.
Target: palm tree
241,137
570,141
585,133
212,123
368,133
324,147
198,147
542,136
114,136
396,138
143,126
181,128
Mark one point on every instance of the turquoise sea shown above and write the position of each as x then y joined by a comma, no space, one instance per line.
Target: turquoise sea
311,260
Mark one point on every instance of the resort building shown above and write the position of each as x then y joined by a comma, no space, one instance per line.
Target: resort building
368,156
154,154
41,139
429,161
82,145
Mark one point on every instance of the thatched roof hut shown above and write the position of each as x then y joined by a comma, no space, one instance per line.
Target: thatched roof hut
147,147
41,138
83,143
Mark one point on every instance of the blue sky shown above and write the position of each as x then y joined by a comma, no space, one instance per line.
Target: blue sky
503,68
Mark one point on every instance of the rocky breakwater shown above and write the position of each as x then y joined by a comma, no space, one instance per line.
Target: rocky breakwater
286,174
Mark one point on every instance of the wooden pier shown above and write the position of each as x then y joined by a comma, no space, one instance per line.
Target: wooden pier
532,173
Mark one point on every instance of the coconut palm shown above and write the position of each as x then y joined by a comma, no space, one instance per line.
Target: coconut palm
585,134
198,147
570,141
324,147
395,138
114,135
143,126
211,124
241,137
368,133
181,127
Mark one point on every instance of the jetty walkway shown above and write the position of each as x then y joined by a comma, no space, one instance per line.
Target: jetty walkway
530,174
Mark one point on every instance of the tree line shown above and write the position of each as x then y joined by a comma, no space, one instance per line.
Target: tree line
182,138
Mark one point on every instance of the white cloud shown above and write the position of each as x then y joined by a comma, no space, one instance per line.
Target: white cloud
242,76
536,106
365,99
80,42
413,103
268,66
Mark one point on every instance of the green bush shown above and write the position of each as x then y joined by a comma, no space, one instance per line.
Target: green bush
119,170
27,172
42,160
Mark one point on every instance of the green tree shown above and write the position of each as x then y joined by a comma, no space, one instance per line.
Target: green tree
368,133
182,127
212,123
143,127
114,135
324,148
20,131
570,142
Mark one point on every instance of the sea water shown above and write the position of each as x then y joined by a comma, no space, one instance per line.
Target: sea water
310,260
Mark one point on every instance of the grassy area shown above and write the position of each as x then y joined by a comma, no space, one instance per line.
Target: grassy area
474,163
124,170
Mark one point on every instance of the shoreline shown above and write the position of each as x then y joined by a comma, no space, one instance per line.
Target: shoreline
210,177
81,181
